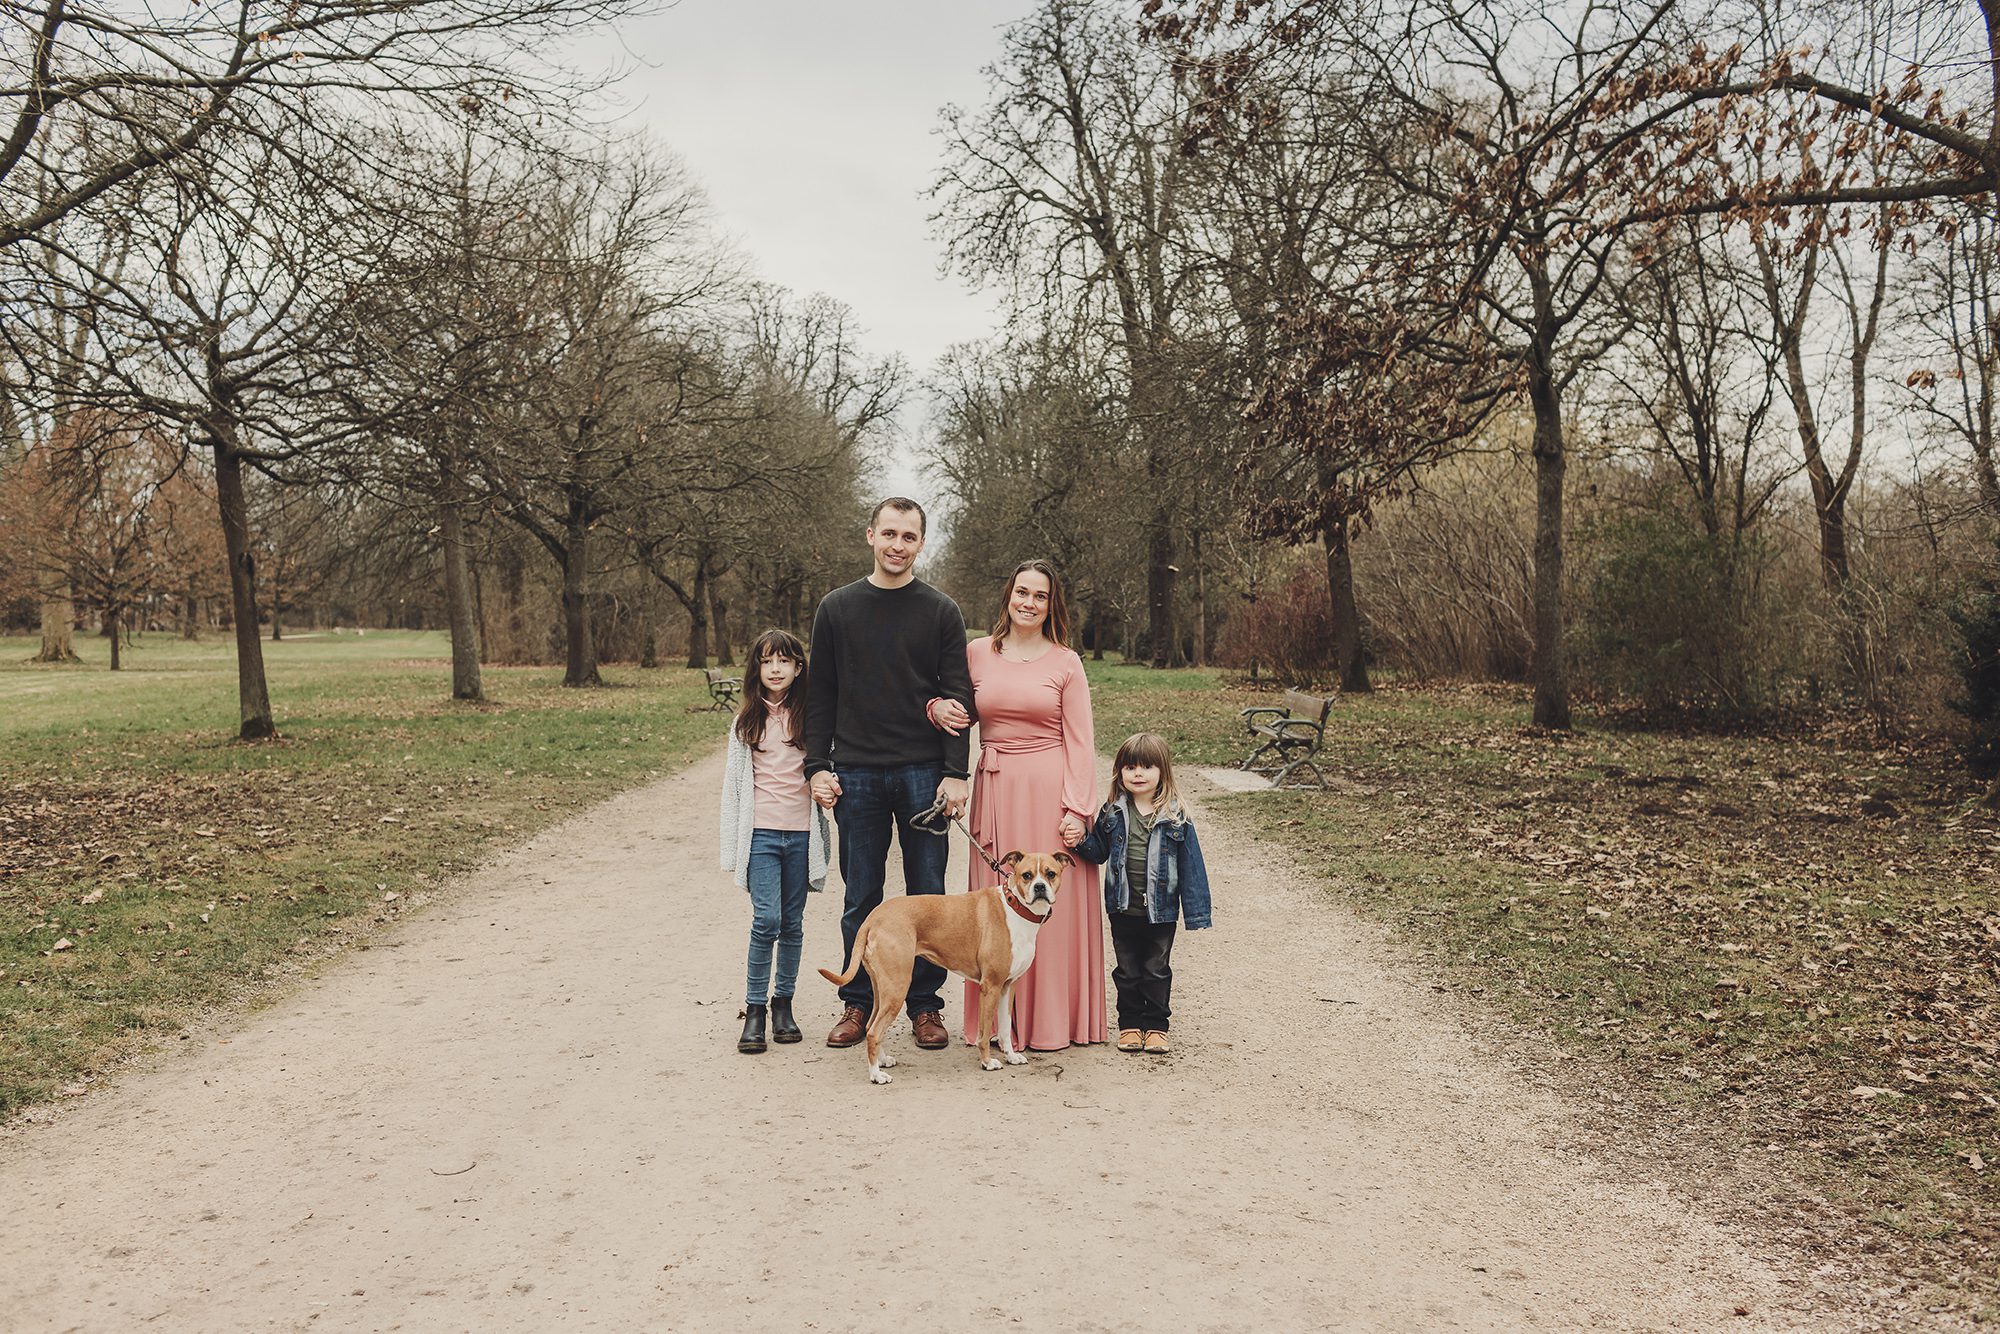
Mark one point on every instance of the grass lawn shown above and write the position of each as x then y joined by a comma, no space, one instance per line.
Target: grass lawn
151,866
1778,955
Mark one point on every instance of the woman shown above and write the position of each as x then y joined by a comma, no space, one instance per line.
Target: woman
1035,789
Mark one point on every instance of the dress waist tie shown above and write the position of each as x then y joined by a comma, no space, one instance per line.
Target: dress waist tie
991,754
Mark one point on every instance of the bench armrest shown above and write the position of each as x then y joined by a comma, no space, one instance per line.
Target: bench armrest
1296,729
1250,715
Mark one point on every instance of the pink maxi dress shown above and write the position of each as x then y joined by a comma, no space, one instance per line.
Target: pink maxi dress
1038,760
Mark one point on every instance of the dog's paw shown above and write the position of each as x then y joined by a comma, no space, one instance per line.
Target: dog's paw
887,1060
878,1077
990,1063
1016,1058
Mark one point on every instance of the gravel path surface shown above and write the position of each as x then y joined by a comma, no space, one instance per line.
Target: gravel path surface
523,1109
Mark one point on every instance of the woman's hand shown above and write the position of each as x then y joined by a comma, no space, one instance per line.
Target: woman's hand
1070,830
949,716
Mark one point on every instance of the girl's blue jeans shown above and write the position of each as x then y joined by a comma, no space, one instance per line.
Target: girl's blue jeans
777,875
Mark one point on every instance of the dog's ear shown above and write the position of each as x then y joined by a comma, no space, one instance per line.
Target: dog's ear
1065,859
1014,859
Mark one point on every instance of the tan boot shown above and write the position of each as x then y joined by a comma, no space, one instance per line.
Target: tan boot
1156,1043
1130,1039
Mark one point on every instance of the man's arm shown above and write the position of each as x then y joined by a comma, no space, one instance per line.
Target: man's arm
954,682
823,698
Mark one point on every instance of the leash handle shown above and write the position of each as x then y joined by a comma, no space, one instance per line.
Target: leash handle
934,821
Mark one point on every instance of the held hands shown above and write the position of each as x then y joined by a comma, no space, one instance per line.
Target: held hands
825,788
1070,830
949,716
953,794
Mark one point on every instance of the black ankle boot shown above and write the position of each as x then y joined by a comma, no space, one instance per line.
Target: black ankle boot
783,1028
753,1029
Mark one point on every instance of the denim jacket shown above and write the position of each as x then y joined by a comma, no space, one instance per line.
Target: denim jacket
1176,878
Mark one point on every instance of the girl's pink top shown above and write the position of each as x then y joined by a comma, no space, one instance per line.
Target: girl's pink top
778,770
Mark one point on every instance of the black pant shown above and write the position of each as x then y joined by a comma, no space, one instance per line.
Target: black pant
1144,975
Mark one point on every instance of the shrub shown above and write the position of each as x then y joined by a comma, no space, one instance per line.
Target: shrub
1288,631
1674,618
1978,622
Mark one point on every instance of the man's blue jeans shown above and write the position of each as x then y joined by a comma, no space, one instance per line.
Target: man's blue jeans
875,801
778,886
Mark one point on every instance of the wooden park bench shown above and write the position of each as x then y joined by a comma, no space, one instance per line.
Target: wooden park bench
722,688
1288,738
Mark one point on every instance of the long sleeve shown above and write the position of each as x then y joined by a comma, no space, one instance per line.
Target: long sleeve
954,682
1195,909
1079,788
733,779
823,699
1098,844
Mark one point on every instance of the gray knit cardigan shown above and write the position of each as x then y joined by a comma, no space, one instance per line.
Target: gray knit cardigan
739,821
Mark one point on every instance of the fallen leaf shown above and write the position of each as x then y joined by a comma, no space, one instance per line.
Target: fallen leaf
1870,1091
64,944
94,896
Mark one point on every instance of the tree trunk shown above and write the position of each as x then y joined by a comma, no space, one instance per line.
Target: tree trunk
459,612
649,640
479,611
1160,630
1549,672
697,610
1989,477
1348,660
111,624
514,576
718,615
253,694
1097,632
58,622
190,617
277,601
1200,605
579,648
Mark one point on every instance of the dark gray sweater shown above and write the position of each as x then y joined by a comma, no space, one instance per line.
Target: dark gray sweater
878,656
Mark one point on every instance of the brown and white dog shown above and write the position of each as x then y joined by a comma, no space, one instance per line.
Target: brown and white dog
987,936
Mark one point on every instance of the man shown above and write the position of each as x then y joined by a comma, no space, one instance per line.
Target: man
883,647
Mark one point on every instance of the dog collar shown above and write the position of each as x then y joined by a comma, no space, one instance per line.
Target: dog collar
1021,909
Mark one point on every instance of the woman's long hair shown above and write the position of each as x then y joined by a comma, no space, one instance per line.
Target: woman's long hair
1057,625
1147,748
755,710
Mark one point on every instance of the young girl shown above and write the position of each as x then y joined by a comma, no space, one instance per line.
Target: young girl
773,837
1153,874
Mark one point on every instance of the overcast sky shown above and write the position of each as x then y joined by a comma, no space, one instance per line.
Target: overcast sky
810,124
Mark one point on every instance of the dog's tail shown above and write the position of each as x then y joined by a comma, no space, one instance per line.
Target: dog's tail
853,960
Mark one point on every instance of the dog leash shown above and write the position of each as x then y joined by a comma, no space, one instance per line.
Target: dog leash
936,820
931,822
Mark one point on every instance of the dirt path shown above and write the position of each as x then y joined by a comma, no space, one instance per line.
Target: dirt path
524,1110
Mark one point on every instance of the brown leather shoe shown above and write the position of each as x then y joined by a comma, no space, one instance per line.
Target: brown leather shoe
930,1030
853,1026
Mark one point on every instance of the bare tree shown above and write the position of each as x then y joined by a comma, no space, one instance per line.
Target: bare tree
1958,310
225,333
1070,185
615,366
1697,383
143,90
